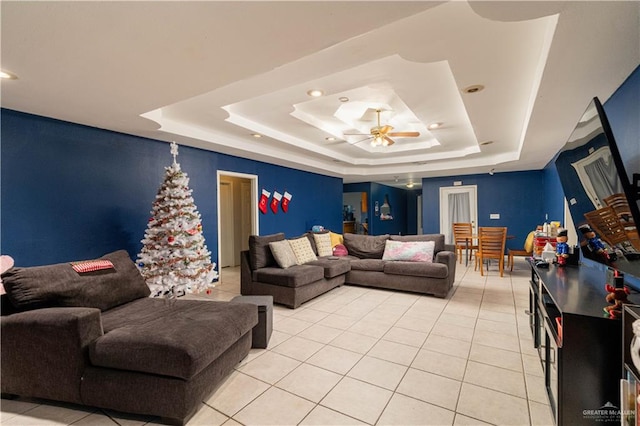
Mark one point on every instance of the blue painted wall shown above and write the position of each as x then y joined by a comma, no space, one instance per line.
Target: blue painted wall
403,204
623,112
518,197
398,202
74,192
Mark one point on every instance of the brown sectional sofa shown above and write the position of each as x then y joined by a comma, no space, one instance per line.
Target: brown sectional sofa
97,339
260,274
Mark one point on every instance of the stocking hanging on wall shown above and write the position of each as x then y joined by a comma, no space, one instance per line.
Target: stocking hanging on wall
275,201
286,199
264,199
174,259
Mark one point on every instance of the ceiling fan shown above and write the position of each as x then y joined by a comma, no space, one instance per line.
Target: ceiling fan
381,135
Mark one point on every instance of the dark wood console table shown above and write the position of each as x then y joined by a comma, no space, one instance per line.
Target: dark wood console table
580,348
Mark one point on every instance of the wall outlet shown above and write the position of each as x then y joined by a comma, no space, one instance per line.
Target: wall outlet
494,216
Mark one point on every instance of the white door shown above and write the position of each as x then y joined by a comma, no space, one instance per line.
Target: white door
246,212
226,219
458,204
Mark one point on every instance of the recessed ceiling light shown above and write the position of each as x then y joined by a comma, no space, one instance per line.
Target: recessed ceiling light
330,138
8,76
343,99
316,93
433,126
256,135
486,143
473,89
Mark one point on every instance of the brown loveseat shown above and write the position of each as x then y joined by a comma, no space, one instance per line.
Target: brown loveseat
292,286
97,339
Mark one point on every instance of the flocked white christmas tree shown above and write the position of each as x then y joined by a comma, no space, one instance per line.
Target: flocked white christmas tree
174,259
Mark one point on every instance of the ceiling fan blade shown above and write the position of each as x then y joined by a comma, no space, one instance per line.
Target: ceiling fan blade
388,139
360,141
355,134
405,134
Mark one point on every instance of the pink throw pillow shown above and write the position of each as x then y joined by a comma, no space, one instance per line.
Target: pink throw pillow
340,250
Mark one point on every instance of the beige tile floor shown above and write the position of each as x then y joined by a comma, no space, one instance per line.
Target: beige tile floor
365,356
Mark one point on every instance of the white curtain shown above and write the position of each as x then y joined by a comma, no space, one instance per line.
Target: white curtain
604,178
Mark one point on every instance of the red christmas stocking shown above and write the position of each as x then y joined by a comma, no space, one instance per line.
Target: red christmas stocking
285,201
264,198
275,201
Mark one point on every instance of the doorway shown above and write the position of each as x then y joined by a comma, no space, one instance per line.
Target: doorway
458,204
237,216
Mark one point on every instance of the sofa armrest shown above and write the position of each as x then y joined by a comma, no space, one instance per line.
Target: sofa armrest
450,247
45,351
448,258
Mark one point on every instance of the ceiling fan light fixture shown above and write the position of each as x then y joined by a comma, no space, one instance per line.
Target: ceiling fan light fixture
315,93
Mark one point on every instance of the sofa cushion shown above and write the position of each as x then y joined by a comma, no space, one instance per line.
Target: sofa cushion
323,244
365,246
438,239
295,276
283,253
332,267
170,337
260,254
60,285
303,250
411,251
376,265
417,269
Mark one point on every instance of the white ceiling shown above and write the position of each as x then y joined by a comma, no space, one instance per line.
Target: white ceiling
211,74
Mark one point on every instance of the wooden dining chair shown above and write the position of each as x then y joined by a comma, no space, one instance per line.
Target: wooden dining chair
491,244
620,205
527,251
607,225
461,233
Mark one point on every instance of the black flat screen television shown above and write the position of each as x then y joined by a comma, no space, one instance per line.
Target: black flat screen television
599,193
